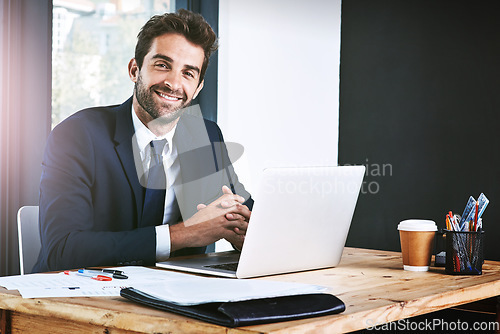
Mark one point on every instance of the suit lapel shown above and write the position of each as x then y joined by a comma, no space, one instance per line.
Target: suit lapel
124,131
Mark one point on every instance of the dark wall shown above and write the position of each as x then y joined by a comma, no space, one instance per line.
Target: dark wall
420,106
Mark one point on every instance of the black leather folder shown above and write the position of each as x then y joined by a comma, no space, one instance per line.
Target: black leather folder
248,312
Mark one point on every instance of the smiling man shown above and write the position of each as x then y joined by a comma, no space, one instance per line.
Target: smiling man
99,205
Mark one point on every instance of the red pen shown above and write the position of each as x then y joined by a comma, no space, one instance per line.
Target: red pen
457,264
475,218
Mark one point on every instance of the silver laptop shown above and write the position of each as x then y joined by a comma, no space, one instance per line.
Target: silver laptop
299,221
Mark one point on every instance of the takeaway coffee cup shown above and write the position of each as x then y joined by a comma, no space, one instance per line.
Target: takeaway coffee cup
417,239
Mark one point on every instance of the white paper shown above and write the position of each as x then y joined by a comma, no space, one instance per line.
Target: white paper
206,290
61,285
179,288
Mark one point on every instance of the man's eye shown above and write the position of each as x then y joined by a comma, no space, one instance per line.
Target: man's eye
161,65
189,74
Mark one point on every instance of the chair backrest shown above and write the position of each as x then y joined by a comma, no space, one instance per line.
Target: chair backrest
29,237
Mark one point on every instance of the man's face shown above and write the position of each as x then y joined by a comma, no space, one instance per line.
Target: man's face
168,79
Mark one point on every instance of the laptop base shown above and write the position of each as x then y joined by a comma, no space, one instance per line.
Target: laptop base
204,263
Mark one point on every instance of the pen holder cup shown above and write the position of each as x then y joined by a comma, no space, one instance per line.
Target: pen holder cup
464,252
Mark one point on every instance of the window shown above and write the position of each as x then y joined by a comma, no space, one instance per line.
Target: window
92,43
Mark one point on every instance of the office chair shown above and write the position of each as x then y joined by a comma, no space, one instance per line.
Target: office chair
29,237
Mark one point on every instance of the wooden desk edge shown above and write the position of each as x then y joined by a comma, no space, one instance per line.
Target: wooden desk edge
124,319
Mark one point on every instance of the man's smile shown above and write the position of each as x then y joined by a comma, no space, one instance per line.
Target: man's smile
169,97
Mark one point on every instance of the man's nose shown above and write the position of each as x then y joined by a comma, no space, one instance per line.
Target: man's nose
173,80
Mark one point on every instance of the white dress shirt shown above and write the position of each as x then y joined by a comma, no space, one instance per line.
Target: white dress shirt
144,136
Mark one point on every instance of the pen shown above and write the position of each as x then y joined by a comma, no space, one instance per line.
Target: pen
115,273
104,270
475,218
89,275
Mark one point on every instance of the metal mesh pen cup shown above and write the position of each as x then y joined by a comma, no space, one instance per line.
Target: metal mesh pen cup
464,252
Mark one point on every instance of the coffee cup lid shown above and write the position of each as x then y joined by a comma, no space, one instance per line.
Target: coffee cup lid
417,225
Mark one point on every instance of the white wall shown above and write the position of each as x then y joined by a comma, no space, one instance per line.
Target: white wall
279,82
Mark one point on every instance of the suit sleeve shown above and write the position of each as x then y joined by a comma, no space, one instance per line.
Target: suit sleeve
78,228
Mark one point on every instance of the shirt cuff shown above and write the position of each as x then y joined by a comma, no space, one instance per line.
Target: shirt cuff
162,242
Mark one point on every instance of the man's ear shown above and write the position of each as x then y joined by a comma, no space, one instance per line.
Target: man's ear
198,89
133,70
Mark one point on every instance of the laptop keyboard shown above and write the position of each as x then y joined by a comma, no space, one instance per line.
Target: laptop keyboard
224,266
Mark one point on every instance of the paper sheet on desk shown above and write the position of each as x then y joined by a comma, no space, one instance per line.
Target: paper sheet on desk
185,289
201,290
60,285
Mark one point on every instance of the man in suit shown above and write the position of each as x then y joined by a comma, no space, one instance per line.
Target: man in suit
95,198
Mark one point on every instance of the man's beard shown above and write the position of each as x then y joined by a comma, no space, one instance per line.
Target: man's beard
146,101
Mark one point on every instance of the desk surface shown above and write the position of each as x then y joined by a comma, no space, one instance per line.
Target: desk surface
371,283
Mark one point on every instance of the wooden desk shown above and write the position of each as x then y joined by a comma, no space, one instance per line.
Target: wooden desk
372,284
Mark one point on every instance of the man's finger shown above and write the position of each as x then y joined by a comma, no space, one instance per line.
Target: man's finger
227,191
200,206
243,211
239,231
229,203
234,216
238,226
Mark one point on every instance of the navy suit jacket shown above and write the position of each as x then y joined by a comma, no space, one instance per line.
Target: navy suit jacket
90,196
